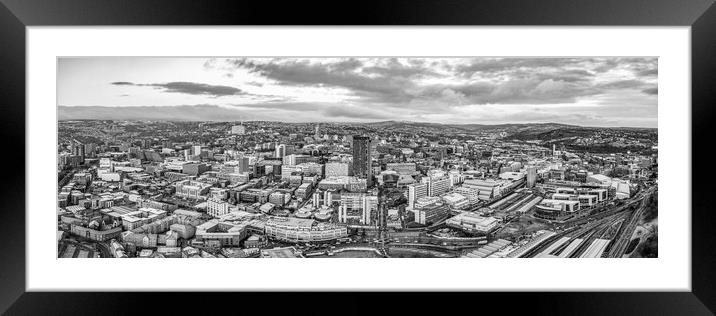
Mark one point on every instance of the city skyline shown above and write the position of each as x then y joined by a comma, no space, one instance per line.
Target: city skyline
135,189
599,92
357,157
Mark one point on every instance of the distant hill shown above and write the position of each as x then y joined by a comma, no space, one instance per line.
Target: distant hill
467,128
219,114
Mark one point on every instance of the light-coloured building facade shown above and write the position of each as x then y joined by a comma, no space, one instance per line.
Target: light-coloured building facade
293,229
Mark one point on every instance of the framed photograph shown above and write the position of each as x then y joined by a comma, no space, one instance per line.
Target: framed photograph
473,147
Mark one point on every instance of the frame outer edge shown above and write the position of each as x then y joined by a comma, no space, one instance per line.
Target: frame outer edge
12,78
12,121
703,78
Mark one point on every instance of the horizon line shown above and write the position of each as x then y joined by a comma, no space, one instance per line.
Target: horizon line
349,122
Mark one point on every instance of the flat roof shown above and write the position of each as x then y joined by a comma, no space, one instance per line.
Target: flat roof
293,221
288,252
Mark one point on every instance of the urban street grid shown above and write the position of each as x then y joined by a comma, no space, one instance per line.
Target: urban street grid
357,157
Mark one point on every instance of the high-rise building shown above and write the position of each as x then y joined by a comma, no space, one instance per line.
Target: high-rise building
437,186
531,176
90,150
416,191
357,208
362,158
280,151
243,164
78,149
283,150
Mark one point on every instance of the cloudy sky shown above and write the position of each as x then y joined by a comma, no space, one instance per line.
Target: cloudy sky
583,91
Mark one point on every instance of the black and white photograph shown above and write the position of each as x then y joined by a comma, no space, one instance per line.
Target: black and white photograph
357,157
408,140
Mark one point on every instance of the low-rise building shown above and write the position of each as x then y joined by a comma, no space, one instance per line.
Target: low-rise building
349,183
303,230
219,234
473,223
140,217
552,209
190,189
456,201
431,213
94,234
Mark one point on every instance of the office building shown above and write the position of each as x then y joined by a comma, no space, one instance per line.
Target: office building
362,158
431,213
215,233
437,187
296,230
195,169
531,176
357,208
216,207
338,169
352,184
196,150
401,168
190,189
473,223
456,201
415,192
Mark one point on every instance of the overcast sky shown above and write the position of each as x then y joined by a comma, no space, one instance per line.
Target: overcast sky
582,91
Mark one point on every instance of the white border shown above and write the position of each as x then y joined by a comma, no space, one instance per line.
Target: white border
671,271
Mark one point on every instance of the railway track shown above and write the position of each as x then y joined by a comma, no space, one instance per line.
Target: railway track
623,236
588,233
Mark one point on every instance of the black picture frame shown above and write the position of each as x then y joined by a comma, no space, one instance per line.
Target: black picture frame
16,15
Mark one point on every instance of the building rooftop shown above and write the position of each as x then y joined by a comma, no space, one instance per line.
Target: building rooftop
473,218
287,252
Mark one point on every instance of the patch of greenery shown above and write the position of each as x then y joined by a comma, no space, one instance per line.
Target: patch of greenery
650,248
651,210
632,245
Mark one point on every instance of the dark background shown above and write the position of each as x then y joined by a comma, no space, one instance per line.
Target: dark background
16,14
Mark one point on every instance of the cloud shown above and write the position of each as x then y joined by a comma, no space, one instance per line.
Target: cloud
573,75
347,65
187,88
286,106
495,65
297,89
653,91
381,83
397,82
394,68
354,113
623,84
514,91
